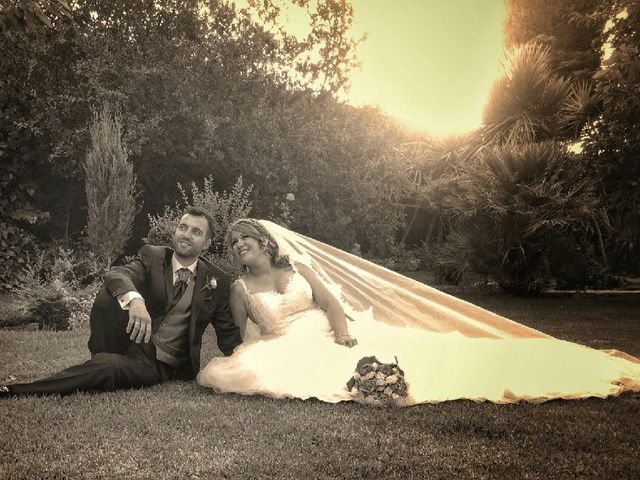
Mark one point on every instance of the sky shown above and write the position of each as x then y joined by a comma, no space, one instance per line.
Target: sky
428,63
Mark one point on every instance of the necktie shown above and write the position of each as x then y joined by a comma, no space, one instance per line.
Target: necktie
184,274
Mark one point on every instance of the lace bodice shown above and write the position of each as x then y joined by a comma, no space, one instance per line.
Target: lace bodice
273,311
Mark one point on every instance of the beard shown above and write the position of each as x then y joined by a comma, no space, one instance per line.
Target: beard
187,249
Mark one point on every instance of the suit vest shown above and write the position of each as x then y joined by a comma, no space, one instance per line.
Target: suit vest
172,338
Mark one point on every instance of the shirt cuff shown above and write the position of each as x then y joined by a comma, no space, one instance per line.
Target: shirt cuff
125,298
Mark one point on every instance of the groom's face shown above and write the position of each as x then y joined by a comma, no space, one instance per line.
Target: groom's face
191,236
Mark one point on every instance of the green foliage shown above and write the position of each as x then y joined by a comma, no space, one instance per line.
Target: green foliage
110,186
401,259
224,207
325,54
51,311
344,181
569,29
256,102
135,54
581,107
22,16
78,267
17,214
433,168
530,103
15,246
604,108
57,297
511,197
612,139
509,210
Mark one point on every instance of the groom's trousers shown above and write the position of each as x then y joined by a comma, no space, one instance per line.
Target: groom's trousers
108,322
104,372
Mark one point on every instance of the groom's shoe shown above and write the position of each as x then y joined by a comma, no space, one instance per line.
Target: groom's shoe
5,388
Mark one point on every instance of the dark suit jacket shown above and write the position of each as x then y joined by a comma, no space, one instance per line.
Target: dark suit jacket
151,275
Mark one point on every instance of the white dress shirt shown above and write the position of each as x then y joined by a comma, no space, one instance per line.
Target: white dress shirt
125,298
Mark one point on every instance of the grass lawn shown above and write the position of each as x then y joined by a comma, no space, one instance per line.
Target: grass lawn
179,430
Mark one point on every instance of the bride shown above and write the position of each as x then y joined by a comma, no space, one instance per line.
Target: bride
296,291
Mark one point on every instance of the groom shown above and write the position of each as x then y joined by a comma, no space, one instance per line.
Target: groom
147,321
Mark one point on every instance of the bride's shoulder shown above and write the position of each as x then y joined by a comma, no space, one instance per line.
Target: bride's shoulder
238,287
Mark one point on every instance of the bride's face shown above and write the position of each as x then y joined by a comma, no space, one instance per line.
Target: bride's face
246,249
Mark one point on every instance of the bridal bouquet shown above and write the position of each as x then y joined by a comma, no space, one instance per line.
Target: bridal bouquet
377,383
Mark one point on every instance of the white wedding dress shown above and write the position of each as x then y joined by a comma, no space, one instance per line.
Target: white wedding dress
481,357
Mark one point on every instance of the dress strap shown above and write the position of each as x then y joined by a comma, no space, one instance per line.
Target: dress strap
248,298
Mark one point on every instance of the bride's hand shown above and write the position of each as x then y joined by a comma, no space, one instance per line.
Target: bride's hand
346,340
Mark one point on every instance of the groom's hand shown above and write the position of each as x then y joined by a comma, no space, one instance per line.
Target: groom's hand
139,326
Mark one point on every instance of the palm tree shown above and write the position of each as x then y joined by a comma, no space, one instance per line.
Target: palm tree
521,196
532,104
512,209
20,16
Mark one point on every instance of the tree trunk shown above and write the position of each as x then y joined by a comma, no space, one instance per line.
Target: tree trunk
408,229
67,218
601,245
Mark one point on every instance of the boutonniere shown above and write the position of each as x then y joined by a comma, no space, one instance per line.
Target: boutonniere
211,284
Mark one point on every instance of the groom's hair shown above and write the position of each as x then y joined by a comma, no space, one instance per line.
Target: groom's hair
201,212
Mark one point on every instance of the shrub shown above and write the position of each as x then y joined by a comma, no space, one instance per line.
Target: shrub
17,211
511,209
80,302
110,186
400,259
77,265
51,311
54,297
16,245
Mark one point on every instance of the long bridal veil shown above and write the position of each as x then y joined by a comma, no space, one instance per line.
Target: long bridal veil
394,298
368,290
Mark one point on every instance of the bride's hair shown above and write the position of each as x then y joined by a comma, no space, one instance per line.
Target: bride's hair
254,229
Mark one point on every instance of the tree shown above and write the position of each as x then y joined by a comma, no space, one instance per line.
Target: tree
322,59
344,182
513,197
612,140
576,33
519,215
434,167
569,29
186,75
110,186
532,104
23,16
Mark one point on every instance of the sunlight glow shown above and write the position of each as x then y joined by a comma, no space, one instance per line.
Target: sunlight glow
607,49
428,63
